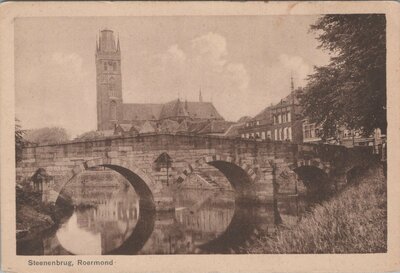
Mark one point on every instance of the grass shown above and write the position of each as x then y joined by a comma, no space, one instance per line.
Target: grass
32,216
353,221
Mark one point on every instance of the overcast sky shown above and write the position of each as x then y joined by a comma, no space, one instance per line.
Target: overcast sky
241,63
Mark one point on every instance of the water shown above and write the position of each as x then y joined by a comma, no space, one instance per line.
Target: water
109,218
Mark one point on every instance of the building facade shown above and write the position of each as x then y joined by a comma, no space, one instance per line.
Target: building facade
108,81
279,122
258,127
287,119
139,117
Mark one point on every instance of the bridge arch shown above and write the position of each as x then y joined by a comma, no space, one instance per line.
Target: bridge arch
239,175
314,173
314,162
142,183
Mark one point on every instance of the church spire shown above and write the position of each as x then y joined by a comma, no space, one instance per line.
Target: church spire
200,96
291,82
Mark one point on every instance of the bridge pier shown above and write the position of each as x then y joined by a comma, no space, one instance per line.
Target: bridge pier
164,203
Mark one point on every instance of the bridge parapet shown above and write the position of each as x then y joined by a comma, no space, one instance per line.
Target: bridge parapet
260,162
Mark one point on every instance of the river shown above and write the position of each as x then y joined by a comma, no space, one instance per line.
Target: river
109,218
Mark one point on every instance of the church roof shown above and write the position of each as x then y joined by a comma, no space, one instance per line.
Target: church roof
183,127
196,126
141,111
172,109
169,126
125,127
148,127
202,110
215,126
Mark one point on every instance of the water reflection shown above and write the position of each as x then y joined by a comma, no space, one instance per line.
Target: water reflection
109,218
104,218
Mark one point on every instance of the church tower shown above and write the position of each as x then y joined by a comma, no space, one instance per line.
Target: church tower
108,81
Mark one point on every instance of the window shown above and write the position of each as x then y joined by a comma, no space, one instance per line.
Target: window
276,134
247,135
163,161
263,135
284,118
242,136
112,87
312,130
288,117
269,134
305,131
257,135
258,122
114,66
280,134
309,131
290,133
105,66
284,133
279,118
113,110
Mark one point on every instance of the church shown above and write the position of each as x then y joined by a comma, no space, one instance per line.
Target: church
172,117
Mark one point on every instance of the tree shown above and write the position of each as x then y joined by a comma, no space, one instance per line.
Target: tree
351,90
89,135
19,141
47,135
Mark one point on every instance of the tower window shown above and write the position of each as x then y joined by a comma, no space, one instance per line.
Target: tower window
105,66
113,110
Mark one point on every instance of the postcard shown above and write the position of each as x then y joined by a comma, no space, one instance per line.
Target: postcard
200,136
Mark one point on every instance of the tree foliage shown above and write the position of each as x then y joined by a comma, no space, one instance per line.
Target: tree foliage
89,135
47,135
19,141
351,90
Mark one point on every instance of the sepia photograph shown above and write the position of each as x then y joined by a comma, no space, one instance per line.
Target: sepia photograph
199,135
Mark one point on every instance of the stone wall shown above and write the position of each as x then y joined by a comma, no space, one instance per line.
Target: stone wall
251,166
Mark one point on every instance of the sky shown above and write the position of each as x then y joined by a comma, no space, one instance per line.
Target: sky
241,63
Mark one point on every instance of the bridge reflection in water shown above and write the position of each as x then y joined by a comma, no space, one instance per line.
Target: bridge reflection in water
110,218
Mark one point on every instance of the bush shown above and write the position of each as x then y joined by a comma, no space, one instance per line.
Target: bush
355,221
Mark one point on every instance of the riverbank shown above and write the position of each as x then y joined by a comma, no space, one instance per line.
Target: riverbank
353,221
32,216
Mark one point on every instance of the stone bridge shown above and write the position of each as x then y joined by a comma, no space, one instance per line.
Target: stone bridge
257,170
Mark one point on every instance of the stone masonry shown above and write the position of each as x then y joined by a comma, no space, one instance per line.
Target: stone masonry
254,168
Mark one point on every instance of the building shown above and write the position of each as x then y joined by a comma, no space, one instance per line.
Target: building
279,122
311,132
113,114
287,118
344,136
258,127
